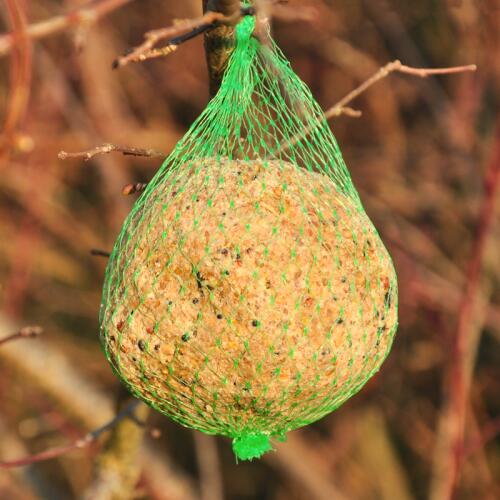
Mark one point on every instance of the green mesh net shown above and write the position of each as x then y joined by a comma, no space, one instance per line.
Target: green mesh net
248,293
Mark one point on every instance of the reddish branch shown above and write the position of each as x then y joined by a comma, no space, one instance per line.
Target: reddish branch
490,432
79,444
88,14
28,332
460,371
20,75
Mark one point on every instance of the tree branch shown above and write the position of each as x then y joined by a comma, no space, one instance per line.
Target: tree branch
341,107
79,444
393,67
147,49
20,78
28,332
116,472
88,14
111,148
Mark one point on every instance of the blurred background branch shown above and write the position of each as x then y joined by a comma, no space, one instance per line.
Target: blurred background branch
27,332
90,13
450,447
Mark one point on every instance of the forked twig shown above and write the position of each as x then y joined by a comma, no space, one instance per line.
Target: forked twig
393,67
342,108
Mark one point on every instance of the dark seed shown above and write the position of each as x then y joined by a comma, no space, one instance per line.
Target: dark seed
219,316
142,345
157,347
195,301
224,251
185,337
255,323
344,280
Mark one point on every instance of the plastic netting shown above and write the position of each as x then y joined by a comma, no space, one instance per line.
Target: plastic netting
248,293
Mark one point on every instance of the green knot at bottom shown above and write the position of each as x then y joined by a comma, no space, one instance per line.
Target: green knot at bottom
250,446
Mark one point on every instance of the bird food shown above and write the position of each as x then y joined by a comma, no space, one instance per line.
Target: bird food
249,293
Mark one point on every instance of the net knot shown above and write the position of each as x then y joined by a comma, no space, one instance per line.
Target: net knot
251,445
245,28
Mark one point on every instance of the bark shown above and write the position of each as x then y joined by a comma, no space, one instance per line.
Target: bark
219,42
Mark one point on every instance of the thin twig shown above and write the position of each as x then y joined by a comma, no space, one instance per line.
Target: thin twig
342,108
79,444
384,72
88,14
110,148
28,332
